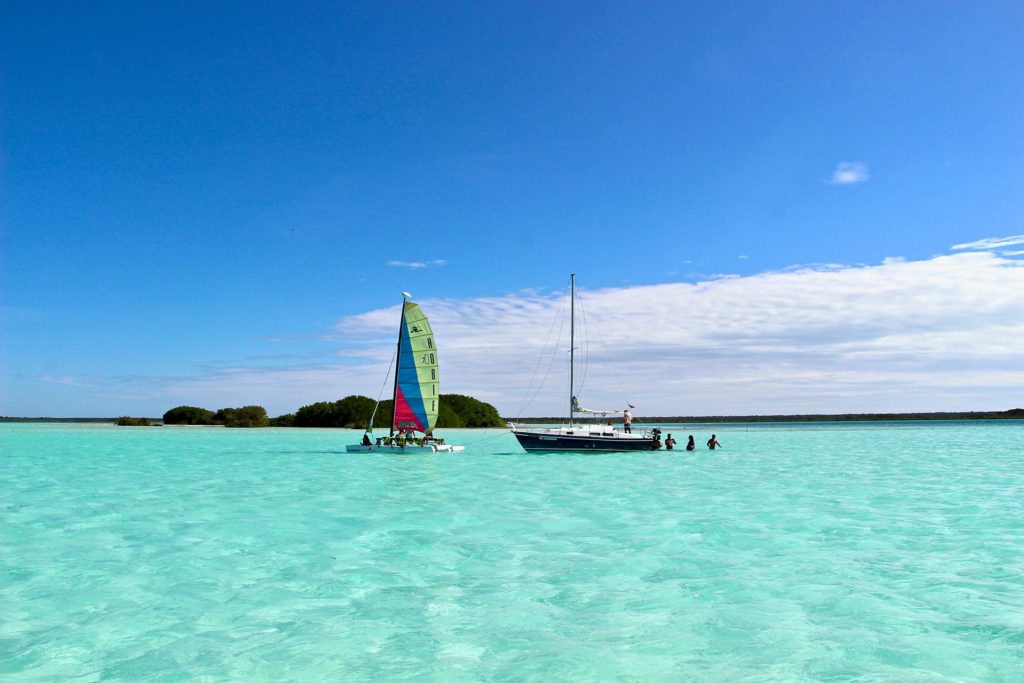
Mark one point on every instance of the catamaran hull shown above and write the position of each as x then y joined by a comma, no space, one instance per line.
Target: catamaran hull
565,442
432,448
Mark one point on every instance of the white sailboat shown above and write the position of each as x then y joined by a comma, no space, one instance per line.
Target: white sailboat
415,394
583,437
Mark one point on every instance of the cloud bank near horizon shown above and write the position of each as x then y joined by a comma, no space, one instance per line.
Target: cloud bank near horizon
936,334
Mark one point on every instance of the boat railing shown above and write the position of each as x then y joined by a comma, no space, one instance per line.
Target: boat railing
402,441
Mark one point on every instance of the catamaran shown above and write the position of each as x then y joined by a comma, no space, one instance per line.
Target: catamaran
584,437
415,394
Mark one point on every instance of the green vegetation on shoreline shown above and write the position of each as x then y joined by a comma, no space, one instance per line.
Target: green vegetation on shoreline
126,421
384,417
246,416
354,412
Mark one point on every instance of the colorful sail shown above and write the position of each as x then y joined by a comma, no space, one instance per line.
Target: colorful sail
416,384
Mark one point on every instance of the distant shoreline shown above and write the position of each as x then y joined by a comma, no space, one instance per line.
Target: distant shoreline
1014,414
80,420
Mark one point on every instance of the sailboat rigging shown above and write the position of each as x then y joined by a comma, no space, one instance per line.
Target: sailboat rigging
584,437
414,394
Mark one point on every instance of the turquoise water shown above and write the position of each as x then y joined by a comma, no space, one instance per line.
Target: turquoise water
850,552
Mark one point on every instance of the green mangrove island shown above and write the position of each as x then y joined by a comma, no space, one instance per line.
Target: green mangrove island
351,412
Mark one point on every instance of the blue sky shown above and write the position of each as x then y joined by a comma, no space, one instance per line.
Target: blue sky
221,205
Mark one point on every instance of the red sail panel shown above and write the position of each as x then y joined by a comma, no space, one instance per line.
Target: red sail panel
405,417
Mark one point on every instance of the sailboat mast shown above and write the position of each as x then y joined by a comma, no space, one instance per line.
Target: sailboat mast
572,343
398,365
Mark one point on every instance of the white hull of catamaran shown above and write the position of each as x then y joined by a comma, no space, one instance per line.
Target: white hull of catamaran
430,448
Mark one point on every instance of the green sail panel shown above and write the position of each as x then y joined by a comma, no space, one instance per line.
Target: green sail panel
416,390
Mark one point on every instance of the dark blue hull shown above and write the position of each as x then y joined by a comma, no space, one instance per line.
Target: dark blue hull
562,442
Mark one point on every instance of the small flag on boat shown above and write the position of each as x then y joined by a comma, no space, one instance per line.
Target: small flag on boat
631,405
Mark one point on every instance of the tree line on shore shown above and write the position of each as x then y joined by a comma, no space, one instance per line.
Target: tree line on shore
246,416
352,412
329,414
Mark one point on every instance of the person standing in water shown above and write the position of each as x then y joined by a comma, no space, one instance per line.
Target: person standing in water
713,442
669,442
690,445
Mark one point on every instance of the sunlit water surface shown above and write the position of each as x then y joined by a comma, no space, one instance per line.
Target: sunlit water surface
870,552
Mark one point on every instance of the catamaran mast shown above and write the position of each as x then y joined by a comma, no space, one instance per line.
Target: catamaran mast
398,365
572,343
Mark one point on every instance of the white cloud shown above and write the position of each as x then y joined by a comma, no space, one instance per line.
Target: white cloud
902,335
65,380
935,334
416,265
993,243
849,173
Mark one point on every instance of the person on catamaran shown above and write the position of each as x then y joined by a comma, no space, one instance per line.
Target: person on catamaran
366,438
627,421
690,445
713,442
669,442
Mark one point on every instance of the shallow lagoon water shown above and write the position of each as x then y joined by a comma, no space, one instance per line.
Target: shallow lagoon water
881,551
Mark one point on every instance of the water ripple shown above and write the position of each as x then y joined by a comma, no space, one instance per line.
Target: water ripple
880,552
